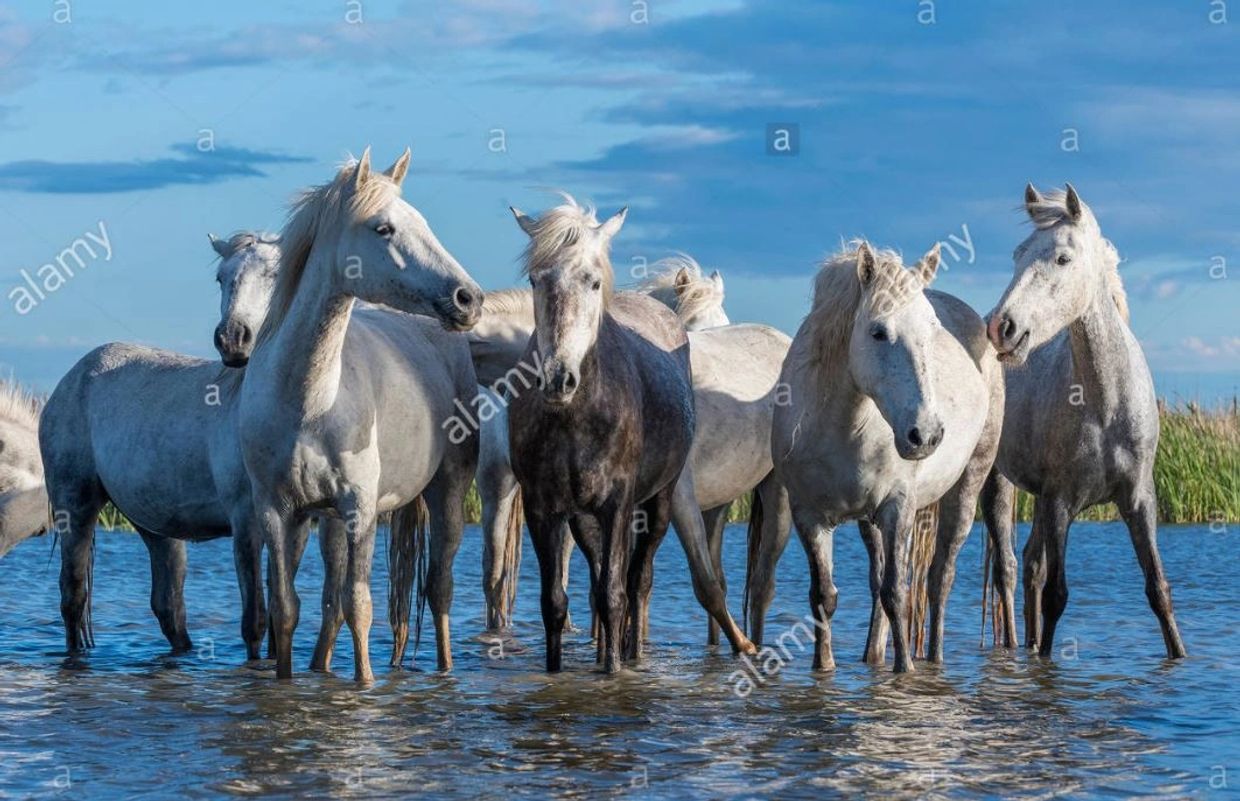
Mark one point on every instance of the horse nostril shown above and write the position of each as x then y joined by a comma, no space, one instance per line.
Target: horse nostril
937,437
463,298
1007,329
570,382
914,436
219,339
247,336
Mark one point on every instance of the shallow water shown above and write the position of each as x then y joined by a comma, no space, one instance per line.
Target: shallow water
1107,717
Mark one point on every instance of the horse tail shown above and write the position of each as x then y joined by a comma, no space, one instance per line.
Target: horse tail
925,529
753,543
512,560
407,562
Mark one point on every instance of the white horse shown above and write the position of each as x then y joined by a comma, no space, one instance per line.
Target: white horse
1082,418
730,454
344,412
23,496
155,433
895,402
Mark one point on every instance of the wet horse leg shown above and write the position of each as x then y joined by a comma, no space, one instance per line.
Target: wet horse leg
611,598
817,535
1058,518
168,563
1140,513
1034,559
876,640
956,511
895,519
998,503
650,528
774,530
715,520
334,548
545,533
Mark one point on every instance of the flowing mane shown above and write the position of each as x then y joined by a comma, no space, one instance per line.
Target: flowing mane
19,407
838,295
562,229
507,301
1052,208
317,210
700,295
240,240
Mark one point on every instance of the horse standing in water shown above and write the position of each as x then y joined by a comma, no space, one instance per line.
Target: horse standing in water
610,431
1082,419
730,455
343,410
896,401
179,413
23,495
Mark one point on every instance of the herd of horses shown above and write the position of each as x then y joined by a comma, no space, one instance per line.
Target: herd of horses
364,373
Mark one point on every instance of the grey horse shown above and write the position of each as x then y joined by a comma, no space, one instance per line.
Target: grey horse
1082,419
23,496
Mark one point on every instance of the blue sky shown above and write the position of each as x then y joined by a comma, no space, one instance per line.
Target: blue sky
917,121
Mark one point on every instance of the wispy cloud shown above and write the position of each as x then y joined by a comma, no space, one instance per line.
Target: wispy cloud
189,166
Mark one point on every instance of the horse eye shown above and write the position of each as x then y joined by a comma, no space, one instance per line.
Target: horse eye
596,285
1064,258
384,229
879,333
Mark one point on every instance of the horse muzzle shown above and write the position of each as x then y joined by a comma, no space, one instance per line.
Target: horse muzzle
1011,340
234,342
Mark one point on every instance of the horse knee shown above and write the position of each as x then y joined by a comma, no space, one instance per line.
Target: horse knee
824,601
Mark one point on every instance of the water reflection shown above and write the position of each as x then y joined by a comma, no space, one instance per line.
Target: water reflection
1109,716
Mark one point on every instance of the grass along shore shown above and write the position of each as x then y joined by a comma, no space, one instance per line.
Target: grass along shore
1196,473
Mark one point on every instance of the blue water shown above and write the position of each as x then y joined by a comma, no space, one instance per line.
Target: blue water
1107,717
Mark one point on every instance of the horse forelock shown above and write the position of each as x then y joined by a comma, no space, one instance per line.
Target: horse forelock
19,406
320,211
838,297
565,234
1051,210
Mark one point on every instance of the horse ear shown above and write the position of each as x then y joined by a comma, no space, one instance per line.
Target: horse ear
1073,203
524,220
1032,198
220,246
362,173
867,265
929,265
717,280
612,226
398,170
683,279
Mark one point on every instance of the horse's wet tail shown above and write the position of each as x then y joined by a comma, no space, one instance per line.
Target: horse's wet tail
407,562
753,540
512,559
921,554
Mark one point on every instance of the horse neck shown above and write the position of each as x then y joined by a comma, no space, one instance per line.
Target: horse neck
305,358
1100,352
840,403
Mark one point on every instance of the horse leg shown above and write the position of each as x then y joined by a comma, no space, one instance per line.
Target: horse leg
358,606
586,533
773,529
75,510
300,534
168,561
650,527
956,510
499,501
1139,512
1058,519
567,537
895,519
714,521
445,498
998,504
248,559
1034,559
276,530
546,535
817,536
687,519
615,521
876,640
334,548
